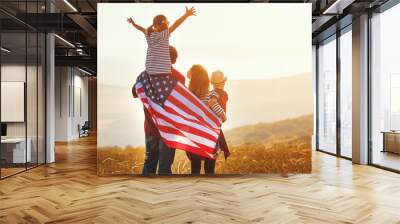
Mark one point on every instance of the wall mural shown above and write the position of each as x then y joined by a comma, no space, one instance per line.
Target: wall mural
204,88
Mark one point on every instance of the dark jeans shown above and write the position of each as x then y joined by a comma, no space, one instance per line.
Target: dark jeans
157,153
209,164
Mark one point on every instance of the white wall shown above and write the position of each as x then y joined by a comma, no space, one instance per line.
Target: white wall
71,102
12,73
80,109
62,82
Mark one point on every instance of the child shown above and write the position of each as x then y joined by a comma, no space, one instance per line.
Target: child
157,36
220,97
218,81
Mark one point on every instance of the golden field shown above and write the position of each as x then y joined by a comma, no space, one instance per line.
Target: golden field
278,147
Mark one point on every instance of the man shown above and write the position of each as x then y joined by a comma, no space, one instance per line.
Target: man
157,153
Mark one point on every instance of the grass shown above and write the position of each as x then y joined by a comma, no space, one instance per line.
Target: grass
290,156
278,147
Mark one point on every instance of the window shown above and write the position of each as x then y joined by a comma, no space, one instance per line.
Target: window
346,93
394,102
327,96
385,89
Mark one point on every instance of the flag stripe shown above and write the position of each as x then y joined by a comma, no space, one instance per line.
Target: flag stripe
193,109
186,128
174,101
178,145
208,111
196,101
198,139
178,138
182,115
174,134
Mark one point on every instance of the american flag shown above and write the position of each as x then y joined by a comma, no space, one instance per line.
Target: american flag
183,120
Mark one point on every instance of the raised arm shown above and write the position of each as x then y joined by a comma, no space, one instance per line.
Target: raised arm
134,94
130,20
177,23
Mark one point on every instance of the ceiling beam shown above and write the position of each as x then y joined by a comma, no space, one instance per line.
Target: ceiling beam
338,6
83,61
84,24
321,21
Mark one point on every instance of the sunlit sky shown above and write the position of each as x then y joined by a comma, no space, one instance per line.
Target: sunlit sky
246,41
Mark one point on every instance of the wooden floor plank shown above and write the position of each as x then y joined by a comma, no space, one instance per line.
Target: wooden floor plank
69,191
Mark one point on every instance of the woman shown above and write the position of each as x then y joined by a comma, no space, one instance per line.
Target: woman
199,85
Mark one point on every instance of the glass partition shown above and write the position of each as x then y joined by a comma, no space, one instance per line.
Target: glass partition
14,153
327,96
22,78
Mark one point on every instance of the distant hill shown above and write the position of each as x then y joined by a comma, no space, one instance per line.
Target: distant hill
268,100
284,130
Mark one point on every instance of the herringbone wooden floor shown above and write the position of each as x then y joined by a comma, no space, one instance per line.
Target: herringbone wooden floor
69,191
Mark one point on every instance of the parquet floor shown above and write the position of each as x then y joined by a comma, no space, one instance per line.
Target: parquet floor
69,191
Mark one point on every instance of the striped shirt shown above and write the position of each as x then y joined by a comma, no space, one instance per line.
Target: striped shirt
158,60
216,108
222,97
